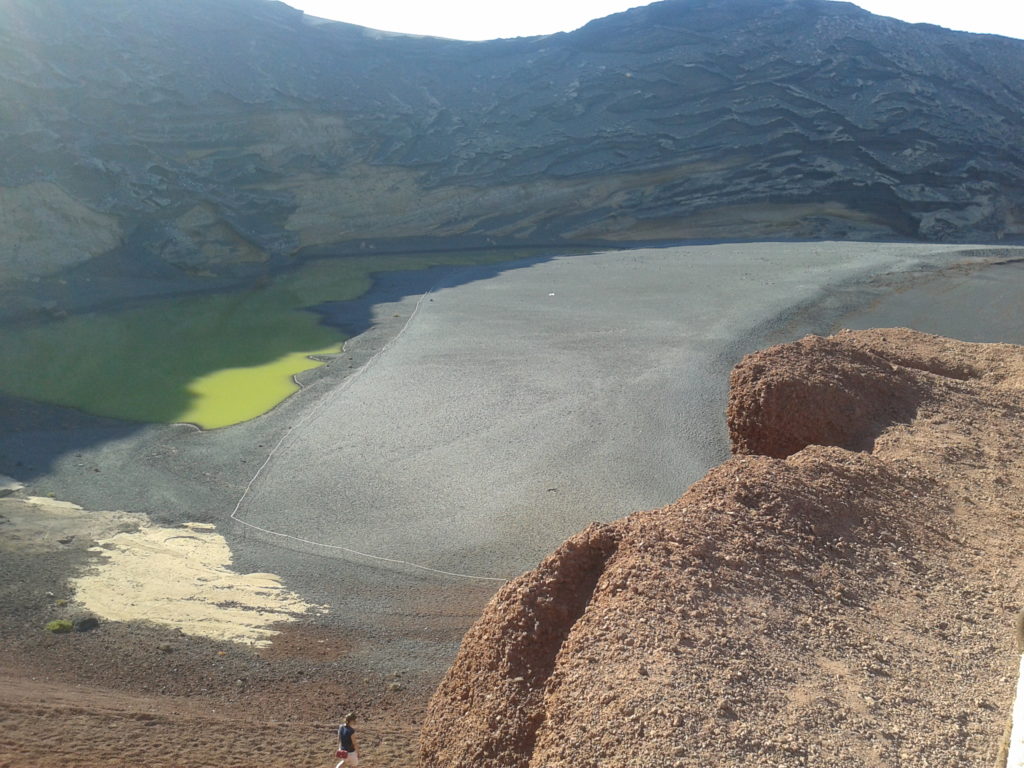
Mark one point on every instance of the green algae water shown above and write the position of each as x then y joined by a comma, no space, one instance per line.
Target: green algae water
212,360
235,395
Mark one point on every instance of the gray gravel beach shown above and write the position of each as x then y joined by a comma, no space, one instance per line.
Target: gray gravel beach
511,412
473,428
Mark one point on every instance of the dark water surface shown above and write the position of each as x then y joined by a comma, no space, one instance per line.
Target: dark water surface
973,304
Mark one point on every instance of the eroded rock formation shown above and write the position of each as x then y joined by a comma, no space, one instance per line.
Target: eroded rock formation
841,592
223,137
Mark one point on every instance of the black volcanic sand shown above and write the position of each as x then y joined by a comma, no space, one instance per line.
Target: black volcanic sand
507,414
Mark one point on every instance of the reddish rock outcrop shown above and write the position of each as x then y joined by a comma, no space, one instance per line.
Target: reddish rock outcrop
842,592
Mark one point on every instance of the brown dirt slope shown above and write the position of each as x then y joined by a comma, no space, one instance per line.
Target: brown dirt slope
841,592
130,694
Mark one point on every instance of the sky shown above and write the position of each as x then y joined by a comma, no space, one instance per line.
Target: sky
482,20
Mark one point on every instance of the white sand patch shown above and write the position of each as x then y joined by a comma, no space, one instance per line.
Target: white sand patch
179,577
40,524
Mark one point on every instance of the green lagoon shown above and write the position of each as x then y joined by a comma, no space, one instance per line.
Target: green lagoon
212,360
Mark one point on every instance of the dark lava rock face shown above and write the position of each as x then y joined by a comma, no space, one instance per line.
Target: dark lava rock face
224,137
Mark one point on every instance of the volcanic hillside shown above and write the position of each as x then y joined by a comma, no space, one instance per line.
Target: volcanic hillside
841,592
186,140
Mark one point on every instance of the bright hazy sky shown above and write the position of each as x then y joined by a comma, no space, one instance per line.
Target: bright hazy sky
484,20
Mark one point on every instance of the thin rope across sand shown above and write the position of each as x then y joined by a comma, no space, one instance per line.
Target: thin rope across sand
286,437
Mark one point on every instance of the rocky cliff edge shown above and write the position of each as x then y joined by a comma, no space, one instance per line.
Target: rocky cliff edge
840,592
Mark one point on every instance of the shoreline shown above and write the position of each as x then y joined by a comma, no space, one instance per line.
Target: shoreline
247,441
617,507
389,626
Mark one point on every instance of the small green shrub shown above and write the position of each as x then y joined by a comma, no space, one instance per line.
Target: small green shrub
59,625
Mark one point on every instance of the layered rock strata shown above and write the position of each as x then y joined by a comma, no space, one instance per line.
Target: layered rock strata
224,137
841,592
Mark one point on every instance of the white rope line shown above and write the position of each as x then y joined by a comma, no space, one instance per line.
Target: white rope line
372,557
333,394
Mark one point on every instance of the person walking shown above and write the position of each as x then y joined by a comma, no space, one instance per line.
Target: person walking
347,743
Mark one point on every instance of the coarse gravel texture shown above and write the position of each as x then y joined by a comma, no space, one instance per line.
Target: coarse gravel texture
510,413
